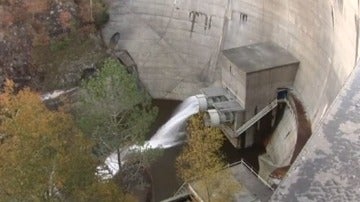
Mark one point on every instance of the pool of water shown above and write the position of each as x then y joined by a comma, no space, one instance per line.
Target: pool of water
163,172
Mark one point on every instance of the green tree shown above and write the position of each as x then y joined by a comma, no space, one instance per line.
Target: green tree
113,110
201,164
43,155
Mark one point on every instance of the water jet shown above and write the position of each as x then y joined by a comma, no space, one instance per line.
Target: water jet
322,35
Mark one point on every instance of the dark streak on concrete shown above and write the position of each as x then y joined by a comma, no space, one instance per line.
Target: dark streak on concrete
195,14
332,17
340,5
357,37
303,127
243,17
328,169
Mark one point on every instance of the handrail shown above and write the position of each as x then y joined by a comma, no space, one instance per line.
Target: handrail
257,175
255,118
251,170
180,189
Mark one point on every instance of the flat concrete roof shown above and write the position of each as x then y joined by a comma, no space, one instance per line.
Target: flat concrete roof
214,91
260,56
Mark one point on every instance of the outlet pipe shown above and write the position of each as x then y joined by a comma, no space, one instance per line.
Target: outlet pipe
203,104
215,118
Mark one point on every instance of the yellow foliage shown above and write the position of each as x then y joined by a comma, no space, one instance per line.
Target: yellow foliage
201,156
32,138
41,151
201,164
24,115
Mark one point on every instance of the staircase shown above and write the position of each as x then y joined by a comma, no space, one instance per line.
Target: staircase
256,118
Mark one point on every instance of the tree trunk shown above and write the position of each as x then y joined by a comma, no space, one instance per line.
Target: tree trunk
208,193
119,157
91,10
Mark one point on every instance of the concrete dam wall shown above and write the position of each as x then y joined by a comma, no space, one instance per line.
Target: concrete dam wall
176,43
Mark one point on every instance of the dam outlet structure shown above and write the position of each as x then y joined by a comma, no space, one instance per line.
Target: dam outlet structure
255,78
182,46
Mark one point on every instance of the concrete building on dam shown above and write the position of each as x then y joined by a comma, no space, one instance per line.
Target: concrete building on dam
183,46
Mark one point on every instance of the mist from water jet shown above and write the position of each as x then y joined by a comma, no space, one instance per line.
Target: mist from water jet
168,135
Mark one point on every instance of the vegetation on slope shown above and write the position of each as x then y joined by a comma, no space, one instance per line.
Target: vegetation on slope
116,114
44,156
48,45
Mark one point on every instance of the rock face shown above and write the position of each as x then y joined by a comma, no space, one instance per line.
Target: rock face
176,43
32,32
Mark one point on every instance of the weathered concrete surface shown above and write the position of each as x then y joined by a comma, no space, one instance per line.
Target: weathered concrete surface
258,57
328,168
176,42
254,72
282,143
254,186
250,188
281,146
323,35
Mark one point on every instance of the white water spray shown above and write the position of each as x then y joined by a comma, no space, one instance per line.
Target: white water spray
56,94
167,136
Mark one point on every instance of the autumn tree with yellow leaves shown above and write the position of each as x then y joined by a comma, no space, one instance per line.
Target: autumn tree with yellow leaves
43,156
201,164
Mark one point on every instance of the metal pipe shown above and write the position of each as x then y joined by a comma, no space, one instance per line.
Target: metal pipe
203,104
214,118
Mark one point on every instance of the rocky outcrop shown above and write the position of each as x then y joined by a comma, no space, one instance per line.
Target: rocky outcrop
33,35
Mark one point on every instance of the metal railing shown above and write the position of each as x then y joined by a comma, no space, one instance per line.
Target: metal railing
257,117
252,171
181,189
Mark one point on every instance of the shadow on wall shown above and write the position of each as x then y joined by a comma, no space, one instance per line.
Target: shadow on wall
303,128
